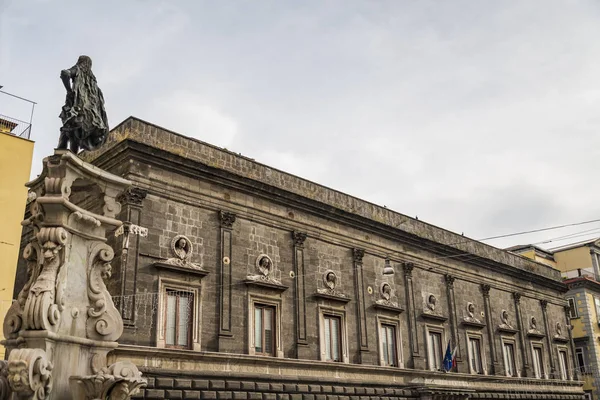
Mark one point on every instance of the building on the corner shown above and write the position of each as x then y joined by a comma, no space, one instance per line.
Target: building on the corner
239,281
579,267
16,151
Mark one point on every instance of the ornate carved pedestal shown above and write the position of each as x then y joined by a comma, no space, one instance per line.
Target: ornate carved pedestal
64,321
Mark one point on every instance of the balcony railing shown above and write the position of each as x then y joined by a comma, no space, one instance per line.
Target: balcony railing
15,127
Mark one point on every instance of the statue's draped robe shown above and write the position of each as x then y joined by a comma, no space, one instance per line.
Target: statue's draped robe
83,115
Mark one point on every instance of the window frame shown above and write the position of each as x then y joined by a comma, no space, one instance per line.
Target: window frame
177,316
543,374
482,362
343,334
395,323
515,360
581,368
430,329
273,309
564,372
573,308
276,304
179,285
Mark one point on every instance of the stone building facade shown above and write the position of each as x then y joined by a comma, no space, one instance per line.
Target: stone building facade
239,281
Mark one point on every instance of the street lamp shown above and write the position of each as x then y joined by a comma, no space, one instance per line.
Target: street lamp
387,268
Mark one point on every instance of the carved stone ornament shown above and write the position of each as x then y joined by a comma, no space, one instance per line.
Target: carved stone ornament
469,318
408,268
133,196
182,251
533,330
299,238
265,274
431,303
504,318
559,336
64,308
104,322
330,279
357,255
227,219
119,381
29,374
331,283
386,291
264,265
5,390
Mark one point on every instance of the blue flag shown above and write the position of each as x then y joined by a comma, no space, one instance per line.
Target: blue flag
448,359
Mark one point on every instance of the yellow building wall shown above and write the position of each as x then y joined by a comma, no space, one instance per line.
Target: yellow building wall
570,260
15,166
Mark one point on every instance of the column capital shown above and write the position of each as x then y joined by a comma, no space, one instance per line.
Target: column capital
449,279
408,268
485,289
357,255
132,196
227,219
544,304
517,297
299,238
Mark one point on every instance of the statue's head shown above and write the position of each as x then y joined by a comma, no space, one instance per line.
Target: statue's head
181,243
84,62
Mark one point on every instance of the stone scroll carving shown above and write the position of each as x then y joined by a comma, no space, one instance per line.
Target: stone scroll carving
29,374
64,322
119,381
104,322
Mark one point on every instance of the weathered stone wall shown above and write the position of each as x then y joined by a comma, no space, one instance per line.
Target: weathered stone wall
190,183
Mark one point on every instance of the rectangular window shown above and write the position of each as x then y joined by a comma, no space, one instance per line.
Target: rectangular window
178,318
572,308
509,358
435,351
538,362
562,358
333,342
475,355
597,304
264,329
388,345
587,396
580,359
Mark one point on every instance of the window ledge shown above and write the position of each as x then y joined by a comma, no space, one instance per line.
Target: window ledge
388,307
334,297
269,284
434,317
185,268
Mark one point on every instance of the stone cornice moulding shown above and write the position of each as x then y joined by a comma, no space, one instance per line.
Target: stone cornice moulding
266,284
182,268
229,178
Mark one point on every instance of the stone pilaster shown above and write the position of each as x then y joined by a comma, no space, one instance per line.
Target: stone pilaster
449,281
571,342
359,289
227,220
553,373
525,368
302,349
415,361
494,364
127,244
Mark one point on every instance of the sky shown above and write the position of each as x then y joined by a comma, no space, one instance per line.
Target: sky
477,116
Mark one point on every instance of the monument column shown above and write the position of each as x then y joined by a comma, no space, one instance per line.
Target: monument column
64,321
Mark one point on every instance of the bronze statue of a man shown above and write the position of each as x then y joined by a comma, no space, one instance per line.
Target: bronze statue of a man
84,120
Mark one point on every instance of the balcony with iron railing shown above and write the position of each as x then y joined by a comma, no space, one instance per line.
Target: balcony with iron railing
17,107
15,127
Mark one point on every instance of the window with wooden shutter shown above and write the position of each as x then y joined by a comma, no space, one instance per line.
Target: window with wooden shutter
508,350
178,318
388,345
264,329
333,340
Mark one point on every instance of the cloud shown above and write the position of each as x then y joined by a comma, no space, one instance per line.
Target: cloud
477,117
